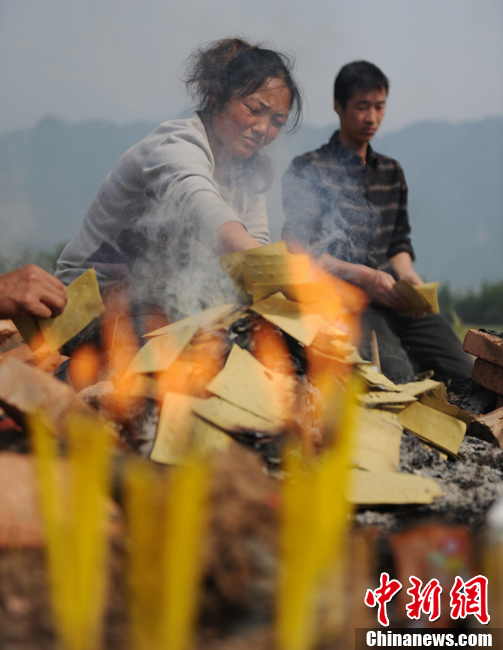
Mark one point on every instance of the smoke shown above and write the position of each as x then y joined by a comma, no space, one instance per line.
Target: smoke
176,271
327,211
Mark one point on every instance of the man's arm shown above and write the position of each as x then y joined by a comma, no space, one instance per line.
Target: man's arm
31,291
378,285
403,266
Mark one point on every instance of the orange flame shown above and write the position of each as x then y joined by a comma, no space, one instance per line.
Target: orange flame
84,366
195,366
120,341
270,349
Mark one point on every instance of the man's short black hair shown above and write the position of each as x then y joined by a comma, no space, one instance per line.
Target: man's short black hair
358,75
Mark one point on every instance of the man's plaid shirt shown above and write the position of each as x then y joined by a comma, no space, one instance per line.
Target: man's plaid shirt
357,212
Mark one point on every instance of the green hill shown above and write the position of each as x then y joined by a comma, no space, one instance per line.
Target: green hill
49,174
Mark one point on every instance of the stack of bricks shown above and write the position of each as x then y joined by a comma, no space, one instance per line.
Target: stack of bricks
487,347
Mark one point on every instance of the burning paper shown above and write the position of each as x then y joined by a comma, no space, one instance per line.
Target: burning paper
232,418
290,317
202,319
276,269
234,263
160,351
303,292
245,382
181,431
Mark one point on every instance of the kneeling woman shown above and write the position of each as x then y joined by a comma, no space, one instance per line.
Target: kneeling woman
193,185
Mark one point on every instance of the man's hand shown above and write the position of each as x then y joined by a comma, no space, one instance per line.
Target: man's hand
380,287
31,291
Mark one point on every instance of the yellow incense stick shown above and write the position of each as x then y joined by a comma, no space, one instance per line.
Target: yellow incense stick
315,516
146,490
166,518
297,559
53,511
187,517
74,509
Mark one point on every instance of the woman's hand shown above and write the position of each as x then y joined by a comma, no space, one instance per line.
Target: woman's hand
31,291
232,236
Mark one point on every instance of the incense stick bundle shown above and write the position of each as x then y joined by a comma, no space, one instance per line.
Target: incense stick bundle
166,520
146,490
74,510
315,517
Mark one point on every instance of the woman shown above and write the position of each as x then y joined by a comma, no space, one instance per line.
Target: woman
192,184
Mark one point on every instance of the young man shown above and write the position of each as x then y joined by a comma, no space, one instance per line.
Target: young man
347,205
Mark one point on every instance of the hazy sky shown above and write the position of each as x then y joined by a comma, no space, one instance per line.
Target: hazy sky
121,59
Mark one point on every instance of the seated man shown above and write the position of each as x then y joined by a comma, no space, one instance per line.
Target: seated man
31,291
347,205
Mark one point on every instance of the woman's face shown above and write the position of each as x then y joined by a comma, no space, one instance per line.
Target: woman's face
247,124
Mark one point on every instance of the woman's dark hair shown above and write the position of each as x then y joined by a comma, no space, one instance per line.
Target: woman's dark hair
358,75
232,67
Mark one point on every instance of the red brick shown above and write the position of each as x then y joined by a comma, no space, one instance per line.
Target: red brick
488,427
488,375
484,346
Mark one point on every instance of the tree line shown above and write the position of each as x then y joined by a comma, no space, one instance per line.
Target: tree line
477,307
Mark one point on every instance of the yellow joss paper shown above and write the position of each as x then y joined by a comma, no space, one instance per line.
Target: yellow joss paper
434,426
303,292
160,351
294,319
181,432
232,418
234,263
245,382
446,407
379,488
279,269
377,442
384,398
202,319
84,305
416,388
374,378
422,298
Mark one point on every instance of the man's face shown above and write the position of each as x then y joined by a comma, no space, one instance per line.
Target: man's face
362,116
